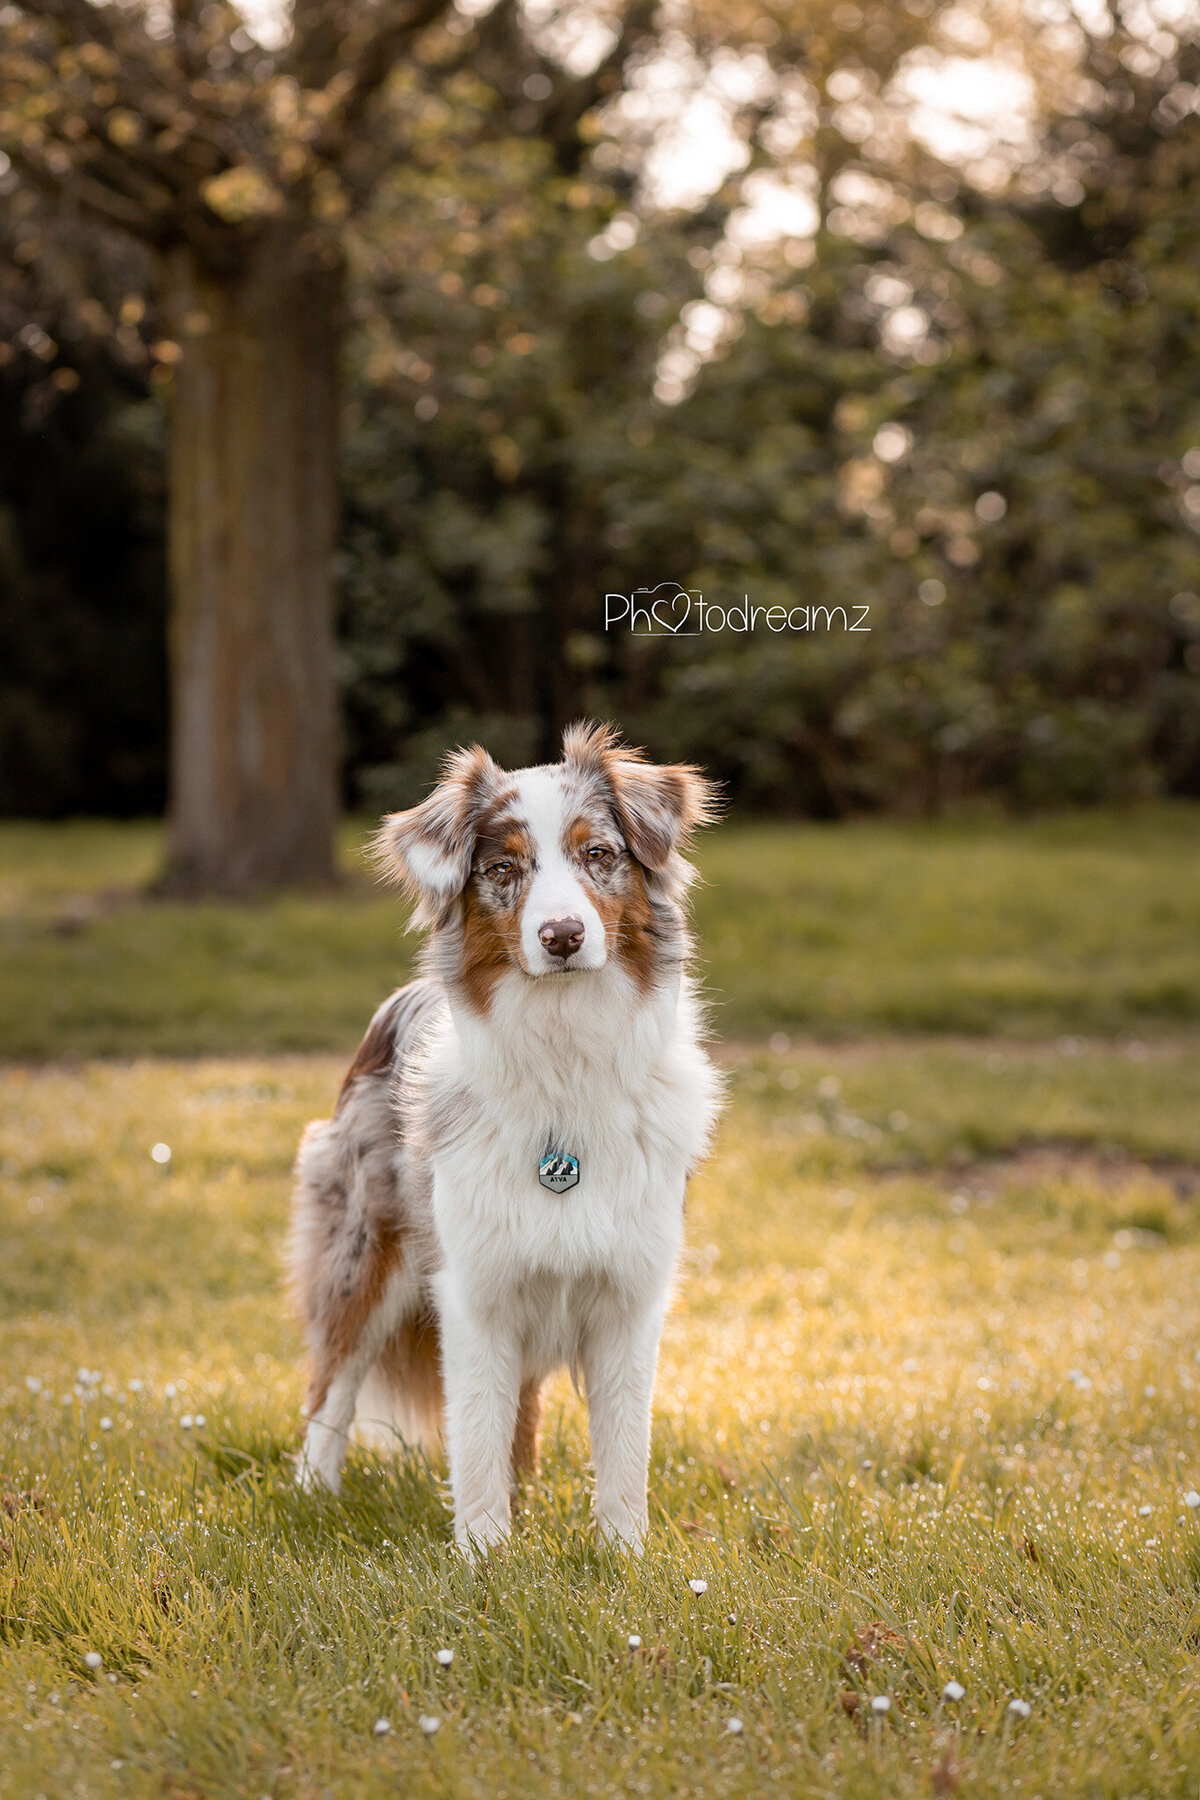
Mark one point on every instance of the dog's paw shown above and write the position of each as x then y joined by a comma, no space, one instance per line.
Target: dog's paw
476,1537
312,1479
626,1531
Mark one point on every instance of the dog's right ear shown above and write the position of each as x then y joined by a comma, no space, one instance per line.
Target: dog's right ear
428,849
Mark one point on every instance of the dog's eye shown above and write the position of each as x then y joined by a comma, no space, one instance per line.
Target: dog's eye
497,871
598,853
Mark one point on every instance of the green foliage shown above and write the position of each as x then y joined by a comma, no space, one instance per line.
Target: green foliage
974,411
1085,924
956,1446
1010,490
503,417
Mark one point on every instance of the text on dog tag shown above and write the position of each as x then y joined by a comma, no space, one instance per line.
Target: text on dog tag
558,1171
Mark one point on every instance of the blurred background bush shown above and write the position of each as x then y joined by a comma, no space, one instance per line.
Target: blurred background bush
902,346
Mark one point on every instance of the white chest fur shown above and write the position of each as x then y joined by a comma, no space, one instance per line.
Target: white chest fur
578,1063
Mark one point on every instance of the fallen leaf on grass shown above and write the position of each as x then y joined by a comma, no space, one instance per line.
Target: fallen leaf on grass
14,1502
872,1644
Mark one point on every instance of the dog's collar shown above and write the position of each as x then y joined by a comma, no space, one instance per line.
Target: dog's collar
558,1170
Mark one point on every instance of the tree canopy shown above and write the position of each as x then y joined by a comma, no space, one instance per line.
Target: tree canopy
960,389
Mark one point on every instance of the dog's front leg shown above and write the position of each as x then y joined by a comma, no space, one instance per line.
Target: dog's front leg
481,1370
619,1355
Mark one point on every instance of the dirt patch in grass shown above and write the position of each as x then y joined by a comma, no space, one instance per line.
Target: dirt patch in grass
1043,1165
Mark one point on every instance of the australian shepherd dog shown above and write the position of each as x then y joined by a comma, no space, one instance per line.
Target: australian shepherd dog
500,1191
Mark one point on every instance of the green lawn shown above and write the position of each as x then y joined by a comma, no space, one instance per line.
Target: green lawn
927,1412
1087,924
928,1408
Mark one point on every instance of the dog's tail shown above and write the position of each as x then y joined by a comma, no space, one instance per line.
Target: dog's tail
400,1401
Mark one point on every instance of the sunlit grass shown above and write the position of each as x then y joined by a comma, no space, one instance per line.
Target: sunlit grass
927,1411
1087,923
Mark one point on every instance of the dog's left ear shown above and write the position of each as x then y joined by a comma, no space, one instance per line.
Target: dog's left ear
658,805
428,849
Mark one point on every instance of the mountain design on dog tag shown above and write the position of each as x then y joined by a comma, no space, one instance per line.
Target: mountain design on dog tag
558,1171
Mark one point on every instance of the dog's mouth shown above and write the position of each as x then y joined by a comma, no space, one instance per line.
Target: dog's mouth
539,962
557,969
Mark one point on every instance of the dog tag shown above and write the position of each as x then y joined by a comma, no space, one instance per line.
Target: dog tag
558,1171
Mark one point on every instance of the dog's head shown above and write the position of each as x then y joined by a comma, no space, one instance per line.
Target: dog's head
553,870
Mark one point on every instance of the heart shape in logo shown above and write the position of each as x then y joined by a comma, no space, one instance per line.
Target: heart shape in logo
677,603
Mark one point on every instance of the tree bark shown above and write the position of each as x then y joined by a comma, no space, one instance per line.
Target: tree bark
252,519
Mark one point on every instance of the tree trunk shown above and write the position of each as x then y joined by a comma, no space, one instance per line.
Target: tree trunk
252,512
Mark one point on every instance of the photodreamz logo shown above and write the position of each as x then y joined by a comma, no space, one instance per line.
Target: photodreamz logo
669,610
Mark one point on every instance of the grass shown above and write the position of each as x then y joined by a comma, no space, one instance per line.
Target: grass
928,1407
1086,924
927,1411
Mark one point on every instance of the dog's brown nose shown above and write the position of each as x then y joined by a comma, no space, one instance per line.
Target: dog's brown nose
562,937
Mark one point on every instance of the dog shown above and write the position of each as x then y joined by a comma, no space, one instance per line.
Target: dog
500,1191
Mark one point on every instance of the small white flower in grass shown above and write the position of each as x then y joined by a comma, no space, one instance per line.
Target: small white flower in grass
135,1386
1144,1512
33,1384
186,1421
170,1390
635,1642
429,1723
734,1727
161,1153
93,1660
1022,1708
106,1423
382,1727
445,1657
953,1690
201,1421
697,1586
880,1704
1191,1498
